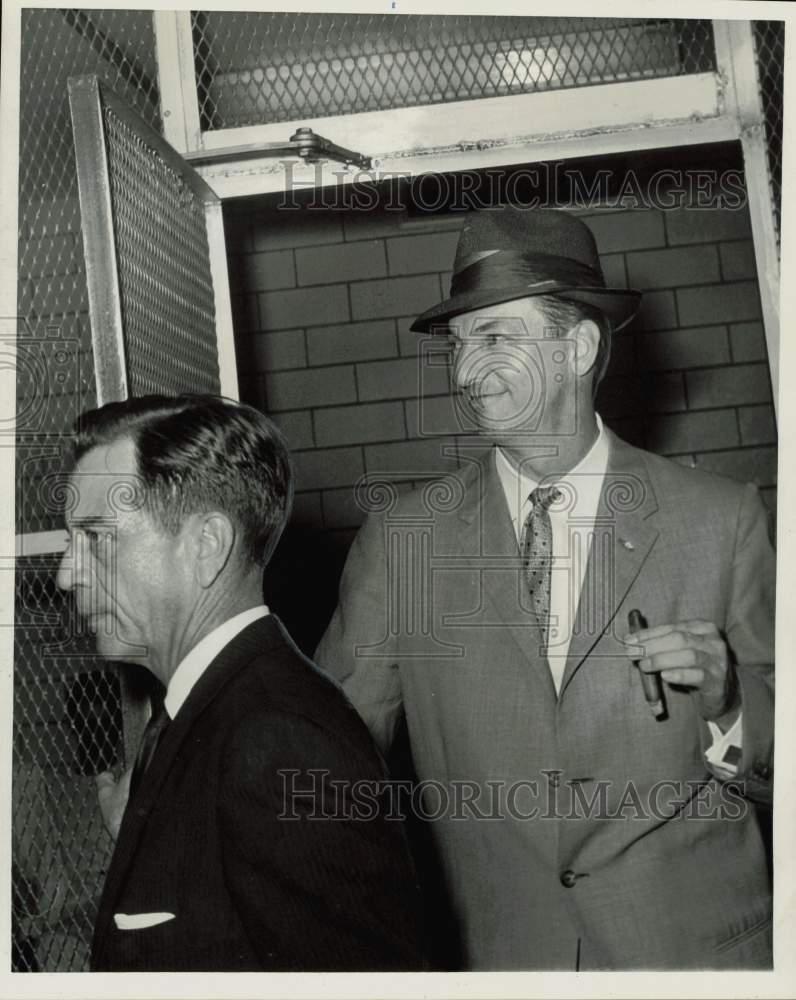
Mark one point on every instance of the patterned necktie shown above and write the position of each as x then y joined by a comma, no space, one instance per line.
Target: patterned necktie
537,554
149,743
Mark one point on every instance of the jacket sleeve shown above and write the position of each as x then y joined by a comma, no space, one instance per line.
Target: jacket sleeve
357,647
320,878
750,636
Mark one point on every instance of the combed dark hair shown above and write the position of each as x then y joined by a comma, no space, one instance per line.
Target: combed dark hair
201,453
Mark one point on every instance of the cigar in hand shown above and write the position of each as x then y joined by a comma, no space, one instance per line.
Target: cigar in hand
653,688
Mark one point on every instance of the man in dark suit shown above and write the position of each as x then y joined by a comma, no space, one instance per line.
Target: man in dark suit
591,816
243,845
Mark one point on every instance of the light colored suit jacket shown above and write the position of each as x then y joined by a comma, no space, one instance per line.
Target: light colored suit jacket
574,830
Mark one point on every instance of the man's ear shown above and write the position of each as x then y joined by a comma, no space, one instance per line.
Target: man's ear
214,539
587,343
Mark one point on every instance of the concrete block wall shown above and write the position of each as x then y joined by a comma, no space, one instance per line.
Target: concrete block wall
323,300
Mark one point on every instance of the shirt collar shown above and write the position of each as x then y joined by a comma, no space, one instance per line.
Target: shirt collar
192,666
585,480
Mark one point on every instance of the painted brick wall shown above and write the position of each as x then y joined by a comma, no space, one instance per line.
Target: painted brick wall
323,300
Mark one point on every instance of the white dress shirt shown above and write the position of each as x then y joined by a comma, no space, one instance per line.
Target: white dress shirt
572,524
191,667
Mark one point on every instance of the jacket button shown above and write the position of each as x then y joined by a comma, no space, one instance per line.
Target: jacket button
568,878
763,771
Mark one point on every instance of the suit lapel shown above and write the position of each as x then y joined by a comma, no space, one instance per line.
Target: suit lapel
251,642
623,539
490,542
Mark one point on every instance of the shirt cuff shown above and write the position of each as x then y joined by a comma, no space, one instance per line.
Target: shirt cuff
724,753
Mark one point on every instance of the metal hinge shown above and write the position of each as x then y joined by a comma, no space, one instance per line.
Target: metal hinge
304,143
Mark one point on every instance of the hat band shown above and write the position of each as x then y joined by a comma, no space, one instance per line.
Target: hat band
512,267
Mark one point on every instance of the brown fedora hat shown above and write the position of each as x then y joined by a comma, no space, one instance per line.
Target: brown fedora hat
507,253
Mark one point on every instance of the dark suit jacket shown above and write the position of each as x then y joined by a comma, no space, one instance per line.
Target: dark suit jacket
587,833
202,838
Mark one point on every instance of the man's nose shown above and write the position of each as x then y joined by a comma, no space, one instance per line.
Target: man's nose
71,566
64,577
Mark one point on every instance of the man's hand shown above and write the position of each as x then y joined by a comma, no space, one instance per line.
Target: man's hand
693,654
113,795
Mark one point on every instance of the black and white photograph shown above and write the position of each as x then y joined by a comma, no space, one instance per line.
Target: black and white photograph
396,553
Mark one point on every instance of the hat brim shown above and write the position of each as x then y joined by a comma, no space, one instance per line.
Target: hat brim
620,305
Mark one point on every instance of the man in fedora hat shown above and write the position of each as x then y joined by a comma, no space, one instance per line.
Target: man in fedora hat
579,634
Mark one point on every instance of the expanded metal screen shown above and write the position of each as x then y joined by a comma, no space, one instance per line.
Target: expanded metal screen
67,727
67,715
166,285
255,68
52,302
769,38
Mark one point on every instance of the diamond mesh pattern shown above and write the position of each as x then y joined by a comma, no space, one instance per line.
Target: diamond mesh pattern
67,728
52,302
256,68
168,308
769,38
67,715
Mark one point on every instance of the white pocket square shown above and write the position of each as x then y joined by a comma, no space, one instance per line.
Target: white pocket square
138,921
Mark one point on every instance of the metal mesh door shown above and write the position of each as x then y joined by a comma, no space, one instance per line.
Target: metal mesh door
54,364
150,286
67,720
